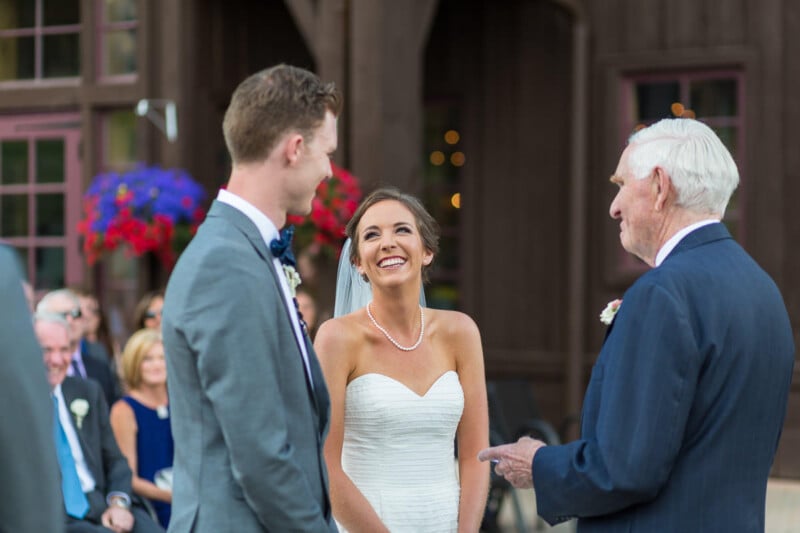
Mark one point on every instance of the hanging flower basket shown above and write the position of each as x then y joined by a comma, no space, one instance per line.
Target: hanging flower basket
322,231
147,209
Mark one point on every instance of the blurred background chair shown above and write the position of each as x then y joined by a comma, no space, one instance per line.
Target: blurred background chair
512,414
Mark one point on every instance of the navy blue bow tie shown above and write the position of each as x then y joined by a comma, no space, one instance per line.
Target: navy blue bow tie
282,247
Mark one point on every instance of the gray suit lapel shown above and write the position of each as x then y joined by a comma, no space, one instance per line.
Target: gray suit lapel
250,231
240,221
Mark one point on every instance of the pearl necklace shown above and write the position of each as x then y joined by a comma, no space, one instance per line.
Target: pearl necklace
397,344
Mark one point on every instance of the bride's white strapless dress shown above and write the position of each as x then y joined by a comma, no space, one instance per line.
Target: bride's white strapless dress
398,450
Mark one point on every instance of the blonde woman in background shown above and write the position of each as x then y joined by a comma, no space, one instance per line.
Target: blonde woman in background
140,420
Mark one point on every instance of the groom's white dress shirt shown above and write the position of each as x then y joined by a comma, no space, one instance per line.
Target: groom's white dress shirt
268,232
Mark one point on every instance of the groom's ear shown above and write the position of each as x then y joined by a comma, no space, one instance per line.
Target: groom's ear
292,147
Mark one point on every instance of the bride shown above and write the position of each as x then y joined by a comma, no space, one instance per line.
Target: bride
405,382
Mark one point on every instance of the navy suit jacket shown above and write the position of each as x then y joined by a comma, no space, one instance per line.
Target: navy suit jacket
95,361
686,401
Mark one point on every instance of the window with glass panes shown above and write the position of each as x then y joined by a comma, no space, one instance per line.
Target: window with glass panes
40,197
117,28
39,39
715,97
444,158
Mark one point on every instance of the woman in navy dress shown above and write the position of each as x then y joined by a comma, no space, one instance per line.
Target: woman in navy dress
140,421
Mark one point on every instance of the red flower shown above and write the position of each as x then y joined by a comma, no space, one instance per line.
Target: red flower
322,231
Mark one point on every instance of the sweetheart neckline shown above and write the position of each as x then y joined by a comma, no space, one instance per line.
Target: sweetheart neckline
415,393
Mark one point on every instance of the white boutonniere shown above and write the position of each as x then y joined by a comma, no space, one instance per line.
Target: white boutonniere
608,314
292,278
79,407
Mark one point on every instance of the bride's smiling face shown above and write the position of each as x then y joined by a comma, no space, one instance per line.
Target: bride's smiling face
389,244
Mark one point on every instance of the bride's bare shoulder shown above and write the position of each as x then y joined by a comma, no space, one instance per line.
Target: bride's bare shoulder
340,334
453,324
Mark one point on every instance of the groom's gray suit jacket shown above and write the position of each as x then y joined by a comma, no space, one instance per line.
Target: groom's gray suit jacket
248,427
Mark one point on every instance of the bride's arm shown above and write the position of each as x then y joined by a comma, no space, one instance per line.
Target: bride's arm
473,430
336,346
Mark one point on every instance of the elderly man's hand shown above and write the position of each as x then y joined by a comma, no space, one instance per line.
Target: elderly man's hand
117,519
514,461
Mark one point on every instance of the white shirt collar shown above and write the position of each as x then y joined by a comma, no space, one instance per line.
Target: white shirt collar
266,227
675,239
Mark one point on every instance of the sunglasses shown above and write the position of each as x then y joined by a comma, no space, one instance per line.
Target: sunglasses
74,313
152,314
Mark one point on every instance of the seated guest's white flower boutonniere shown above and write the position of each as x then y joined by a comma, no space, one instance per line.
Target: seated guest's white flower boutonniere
608,314
79,408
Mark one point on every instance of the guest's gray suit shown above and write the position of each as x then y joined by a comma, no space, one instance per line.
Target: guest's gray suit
248,429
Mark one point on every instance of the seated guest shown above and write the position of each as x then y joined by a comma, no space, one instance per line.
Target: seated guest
140,420
148,311
85,363
97,339
308,310
95,477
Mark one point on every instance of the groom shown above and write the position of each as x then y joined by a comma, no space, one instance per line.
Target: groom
687,398
249,404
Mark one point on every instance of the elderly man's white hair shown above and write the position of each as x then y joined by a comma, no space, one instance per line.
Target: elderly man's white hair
47,299
698,163
51,318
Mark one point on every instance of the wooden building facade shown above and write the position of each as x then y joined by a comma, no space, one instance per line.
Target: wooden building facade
506,117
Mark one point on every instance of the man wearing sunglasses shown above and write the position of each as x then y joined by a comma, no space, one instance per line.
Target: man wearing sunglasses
87,365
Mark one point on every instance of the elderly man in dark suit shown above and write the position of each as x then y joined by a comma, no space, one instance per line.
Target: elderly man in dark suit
95,477
84,364
29,493
688,396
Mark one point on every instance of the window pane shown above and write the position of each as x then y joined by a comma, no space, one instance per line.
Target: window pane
17,58
22,255
733,227
728,136
448,253
440,201
120,52
61,56
653,100
60,12
732,211
14,215
442,296
50,161
14,158
49,268
714,98
50,215
120,139
17,14
120,10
